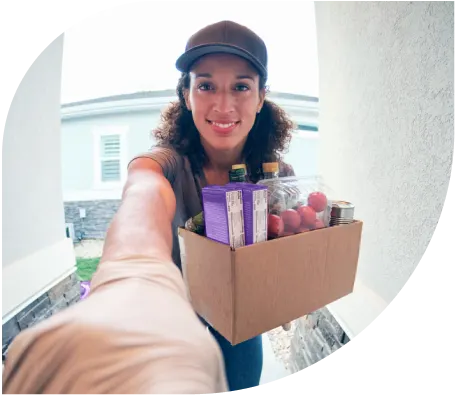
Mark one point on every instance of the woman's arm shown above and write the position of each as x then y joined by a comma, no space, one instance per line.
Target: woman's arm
136,332
141,227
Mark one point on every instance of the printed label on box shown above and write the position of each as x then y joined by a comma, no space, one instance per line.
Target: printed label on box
235,218
260,212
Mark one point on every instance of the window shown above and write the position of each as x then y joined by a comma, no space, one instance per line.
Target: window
110,158
110,154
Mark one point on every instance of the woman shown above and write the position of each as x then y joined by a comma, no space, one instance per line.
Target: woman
222,118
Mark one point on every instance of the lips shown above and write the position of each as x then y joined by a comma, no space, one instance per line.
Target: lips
223,127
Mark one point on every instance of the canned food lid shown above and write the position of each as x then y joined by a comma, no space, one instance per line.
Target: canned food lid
239,166
342,204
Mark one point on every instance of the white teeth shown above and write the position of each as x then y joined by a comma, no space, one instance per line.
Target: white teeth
223,125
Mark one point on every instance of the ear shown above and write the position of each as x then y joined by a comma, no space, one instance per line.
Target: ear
187,100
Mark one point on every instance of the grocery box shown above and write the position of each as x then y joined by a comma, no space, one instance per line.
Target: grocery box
244,292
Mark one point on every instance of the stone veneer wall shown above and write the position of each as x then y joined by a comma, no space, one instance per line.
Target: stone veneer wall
316,336
99,214
62,295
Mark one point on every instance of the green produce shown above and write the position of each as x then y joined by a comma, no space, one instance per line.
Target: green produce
196,224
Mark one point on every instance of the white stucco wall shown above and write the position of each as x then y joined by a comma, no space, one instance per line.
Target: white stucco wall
452,188
386,134
32,196
36,252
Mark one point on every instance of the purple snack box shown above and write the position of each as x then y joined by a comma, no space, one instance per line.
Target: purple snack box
255,204
224,214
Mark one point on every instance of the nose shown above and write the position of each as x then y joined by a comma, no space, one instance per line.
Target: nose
224,102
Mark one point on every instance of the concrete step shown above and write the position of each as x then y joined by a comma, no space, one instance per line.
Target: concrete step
273,369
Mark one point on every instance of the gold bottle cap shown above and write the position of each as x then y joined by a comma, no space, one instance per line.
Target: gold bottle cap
271,167
239,166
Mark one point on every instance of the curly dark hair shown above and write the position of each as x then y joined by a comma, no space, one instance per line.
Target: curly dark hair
267,141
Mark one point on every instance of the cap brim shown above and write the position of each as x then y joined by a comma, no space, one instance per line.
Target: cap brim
186,60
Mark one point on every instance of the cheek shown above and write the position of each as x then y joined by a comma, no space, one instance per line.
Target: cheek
249,113
199,107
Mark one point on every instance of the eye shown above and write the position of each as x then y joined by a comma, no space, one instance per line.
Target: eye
242,87
205,86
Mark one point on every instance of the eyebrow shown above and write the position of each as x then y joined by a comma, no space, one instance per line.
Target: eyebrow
239,77
245,77
203,75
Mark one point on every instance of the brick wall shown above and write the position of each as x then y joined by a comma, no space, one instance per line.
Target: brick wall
99,214
316,336
59,297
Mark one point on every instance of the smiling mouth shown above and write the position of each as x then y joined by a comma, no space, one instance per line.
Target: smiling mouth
223,125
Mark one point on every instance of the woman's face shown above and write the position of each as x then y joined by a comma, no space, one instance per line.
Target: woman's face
224,98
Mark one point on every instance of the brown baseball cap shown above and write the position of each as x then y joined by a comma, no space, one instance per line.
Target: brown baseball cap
225,37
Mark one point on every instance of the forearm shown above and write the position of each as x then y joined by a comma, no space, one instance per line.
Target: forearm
141,227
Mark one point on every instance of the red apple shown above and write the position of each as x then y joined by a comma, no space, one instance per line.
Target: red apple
308,216
319,224
275,226
318,201
291,219
286,233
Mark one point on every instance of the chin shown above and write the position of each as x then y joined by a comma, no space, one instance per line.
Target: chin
224,144
221,142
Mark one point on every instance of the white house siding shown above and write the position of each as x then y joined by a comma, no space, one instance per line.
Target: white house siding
78,156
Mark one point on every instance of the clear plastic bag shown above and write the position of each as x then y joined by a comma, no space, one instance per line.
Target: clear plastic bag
297,205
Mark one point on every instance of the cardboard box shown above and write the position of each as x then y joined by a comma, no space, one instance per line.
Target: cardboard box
248,291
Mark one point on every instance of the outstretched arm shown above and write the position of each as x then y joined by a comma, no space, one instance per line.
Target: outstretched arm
142,225
136,332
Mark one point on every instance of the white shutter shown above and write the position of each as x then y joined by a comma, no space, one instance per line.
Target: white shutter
110,151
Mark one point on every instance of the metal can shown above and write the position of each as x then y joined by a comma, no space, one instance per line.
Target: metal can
342,213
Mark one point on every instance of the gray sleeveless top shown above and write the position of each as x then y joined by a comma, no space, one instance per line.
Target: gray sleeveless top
187,183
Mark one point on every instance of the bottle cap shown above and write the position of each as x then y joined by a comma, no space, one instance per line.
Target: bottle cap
271,167
239,166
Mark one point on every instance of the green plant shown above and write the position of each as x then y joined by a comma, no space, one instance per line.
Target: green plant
86,267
